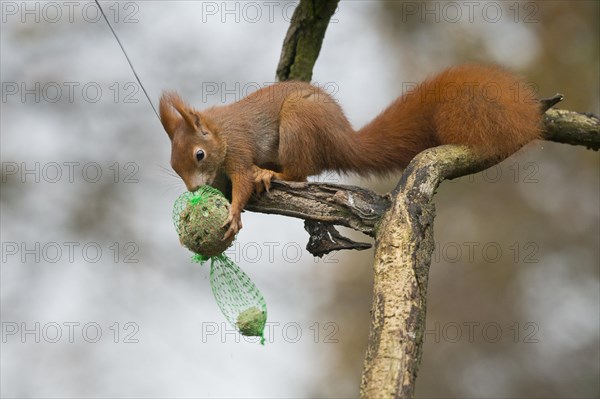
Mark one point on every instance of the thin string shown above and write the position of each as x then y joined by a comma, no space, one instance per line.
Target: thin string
127,57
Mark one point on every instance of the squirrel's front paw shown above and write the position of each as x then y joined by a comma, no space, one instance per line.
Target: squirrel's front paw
234,220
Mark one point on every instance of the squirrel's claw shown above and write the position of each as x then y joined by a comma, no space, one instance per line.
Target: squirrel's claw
235,224
262,179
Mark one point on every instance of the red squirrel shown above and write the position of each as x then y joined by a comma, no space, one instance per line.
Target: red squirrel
291,130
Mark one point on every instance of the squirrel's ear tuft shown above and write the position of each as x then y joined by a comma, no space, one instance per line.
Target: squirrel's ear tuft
169,118
171,100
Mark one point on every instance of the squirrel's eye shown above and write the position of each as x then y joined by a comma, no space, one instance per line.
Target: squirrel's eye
199,155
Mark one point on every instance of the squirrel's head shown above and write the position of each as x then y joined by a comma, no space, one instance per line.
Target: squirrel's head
197,150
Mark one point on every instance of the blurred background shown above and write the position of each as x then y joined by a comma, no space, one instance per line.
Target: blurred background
98,298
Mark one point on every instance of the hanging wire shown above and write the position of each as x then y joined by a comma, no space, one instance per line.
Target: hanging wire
127,57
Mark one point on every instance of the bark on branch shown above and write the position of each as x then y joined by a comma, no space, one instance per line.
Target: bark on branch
572,128
350,206
304,38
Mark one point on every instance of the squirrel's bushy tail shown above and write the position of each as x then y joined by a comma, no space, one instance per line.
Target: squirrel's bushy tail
484,107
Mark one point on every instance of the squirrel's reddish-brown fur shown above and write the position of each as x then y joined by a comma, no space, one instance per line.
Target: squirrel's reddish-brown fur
292,130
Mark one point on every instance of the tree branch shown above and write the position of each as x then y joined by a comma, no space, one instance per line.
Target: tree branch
354,207
572,128
304,38
401,269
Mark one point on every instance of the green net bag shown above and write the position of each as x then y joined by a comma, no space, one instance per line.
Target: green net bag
198,218
240,301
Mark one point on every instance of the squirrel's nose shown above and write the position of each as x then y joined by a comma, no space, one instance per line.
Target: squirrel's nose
192,185
194,182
